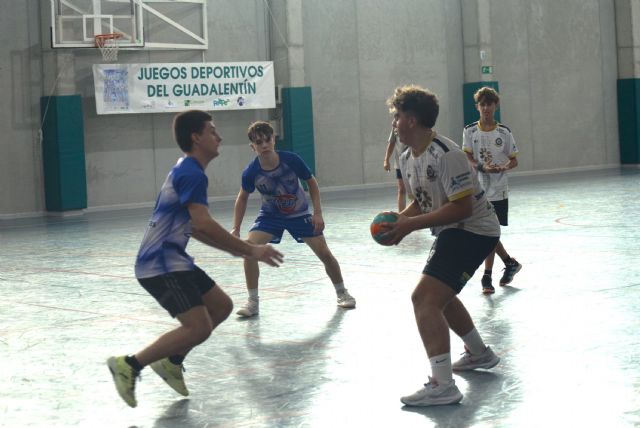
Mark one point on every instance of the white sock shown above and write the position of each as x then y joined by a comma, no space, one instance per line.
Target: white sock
253,293
339,287
441,368
474,342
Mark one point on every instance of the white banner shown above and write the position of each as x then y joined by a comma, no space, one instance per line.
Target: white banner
170,87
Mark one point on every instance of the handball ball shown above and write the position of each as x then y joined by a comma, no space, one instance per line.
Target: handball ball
378,230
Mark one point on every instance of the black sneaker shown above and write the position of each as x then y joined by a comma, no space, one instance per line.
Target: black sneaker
487,287
510,270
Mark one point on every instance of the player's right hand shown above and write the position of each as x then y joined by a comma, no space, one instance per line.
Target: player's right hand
267,254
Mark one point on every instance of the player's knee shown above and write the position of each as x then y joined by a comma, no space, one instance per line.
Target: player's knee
221,311
201,332
420,299
226,309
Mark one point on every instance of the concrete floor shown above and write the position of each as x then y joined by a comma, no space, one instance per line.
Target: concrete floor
567,329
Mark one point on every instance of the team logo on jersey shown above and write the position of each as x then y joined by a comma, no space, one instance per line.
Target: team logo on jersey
424,200
498,141
431,173
286,203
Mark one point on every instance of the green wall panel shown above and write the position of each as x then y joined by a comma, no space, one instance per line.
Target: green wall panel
297,124
65,181
629,120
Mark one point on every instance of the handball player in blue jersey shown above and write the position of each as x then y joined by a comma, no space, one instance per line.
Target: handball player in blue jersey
276,175
169,274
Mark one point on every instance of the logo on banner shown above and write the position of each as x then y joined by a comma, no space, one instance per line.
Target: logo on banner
220,102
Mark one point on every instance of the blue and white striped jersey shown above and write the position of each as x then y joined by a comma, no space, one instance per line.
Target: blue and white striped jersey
163,247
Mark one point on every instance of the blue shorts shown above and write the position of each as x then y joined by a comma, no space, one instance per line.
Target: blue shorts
298,227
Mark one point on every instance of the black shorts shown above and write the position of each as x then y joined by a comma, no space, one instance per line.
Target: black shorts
502,211
178,292
455,256
398,174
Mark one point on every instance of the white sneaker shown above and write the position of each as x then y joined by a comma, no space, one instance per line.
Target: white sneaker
346,300
434,394
486,360
251,308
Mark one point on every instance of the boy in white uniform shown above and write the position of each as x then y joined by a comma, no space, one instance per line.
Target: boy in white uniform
449,200
492,150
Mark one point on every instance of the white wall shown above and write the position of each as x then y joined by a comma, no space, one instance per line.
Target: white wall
555,62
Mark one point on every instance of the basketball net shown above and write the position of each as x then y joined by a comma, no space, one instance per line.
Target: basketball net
108,45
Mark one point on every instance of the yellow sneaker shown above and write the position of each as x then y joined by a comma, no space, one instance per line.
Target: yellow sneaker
172,374
124,376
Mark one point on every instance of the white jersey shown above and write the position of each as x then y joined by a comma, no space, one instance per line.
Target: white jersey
398,149
442,174
496,146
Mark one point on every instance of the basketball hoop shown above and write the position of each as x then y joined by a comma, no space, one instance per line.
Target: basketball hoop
108,45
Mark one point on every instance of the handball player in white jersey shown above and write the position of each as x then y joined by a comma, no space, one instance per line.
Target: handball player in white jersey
492,150
449,200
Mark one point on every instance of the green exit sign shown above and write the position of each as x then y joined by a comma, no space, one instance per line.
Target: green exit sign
487,69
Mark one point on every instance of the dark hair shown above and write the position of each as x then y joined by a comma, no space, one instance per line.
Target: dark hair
420,102
187,123
486,94
259,128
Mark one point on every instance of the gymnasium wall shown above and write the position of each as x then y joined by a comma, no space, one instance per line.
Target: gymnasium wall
555,63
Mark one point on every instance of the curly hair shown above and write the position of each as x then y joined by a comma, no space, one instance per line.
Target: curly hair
420,102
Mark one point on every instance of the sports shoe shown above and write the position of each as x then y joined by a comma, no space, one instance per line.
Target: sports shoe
486,360
434,394
487,287
124,377
251,308
172,374
346,300
510,270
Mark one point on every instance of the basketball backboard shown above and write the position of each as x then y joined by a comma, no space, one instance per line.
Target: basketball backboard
144,24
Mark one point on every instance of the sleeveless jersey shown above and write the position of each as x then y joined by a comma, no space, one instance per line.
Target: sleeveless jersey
282,195
163,247
442,174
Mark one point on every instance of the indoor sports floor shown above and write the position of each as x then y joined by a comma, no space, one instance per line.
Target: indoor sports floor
567,329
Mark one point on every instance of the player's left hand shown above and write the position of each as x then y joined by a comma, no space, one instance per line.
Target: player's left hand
318,223
397,230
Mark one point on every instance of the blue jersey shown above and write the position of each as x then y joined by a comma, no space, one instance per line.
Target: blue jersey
282,195
163,246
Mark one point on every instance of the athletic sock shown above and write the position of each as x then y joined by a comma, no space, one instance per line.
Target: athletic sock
441,368
473,342
134,363
339,287
176,359
253,293
487,272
